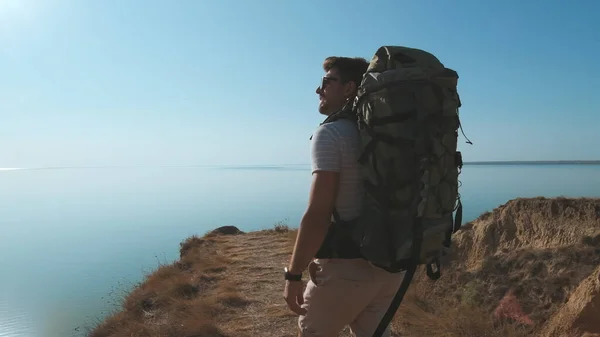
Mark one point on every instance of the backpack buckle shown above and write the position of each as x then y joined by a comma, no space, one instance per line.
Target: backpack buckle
434,274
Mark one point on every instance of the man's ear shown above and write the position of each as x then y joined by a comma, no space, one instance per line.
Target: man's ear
350,89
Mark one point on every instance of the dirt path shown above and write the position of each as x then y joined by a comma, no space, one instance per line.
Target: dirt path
256,272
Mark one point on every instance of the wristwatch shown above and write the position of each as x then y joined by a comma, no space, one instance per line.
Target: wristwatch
292,277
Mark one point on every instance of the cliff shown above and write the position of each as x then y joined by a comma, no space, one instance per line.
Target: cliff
528,268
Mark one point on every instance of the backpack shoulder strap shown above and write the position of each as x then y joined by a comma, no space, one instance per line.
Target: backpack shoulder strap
346,112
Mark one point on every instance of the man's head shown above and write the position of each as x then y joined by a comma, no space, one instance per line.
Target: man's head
342,78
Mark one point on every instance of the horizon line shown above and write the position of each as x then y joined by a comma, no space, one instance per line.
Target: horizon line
481,162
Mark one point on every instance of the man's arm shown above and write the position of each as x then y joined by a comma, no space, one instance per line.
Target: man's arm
316,219
326,167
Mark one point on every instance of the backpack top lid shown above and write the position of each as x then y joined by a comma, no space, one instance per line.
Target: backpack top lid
394,57
399,57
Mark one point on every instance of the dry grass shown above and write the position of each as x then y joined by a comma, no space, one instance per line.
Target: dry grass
180,299
423,313
221,286
231,285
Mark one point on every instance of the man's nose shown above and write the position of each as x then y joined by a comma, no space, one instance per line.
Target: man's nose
318,91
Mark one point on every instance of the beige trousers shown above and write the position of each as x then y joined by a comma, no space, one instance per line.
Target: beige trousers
346,292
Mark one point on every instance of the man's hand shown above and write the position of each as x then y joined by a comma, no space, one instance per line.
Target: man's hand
294,297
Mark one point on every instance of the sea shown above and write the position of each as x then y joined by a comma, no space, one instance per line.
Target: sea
73,241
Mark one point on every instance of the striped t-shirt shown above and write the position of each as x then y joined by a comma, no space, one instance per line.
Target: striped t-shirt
335,147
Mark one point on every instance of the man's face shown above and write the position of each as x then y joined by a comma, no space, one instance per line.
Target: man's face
333,93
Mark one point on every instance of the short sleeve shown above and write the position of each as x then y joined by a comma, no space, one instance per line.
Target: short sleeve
325,150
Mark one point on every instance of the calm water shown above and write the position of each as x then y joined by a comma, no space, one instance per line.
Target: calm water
72,240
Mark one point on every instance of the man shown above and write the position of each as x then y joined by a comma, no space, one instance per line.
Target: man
341,291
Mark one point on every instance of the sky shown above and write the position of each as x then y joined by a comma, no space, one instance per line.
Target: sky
232,82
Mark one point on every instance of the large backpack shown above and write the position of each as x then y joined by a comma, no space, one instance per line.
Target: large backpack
407,114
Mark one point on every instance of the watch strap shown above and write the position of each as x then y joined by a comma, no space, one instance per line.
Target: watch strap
292,277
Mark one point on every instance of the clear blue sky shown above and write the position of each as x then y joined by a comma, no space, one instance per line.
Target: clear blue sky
204,82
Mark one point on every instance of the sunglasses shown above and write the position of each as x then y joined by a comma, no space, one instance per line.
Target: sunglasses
326,80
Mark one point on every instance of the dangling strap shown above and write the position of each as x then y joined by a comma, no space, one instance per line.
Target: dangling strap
408,276
389,314
458,217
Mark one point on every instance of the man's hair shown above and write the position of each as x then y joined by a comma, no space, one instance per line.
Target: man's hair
349,68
